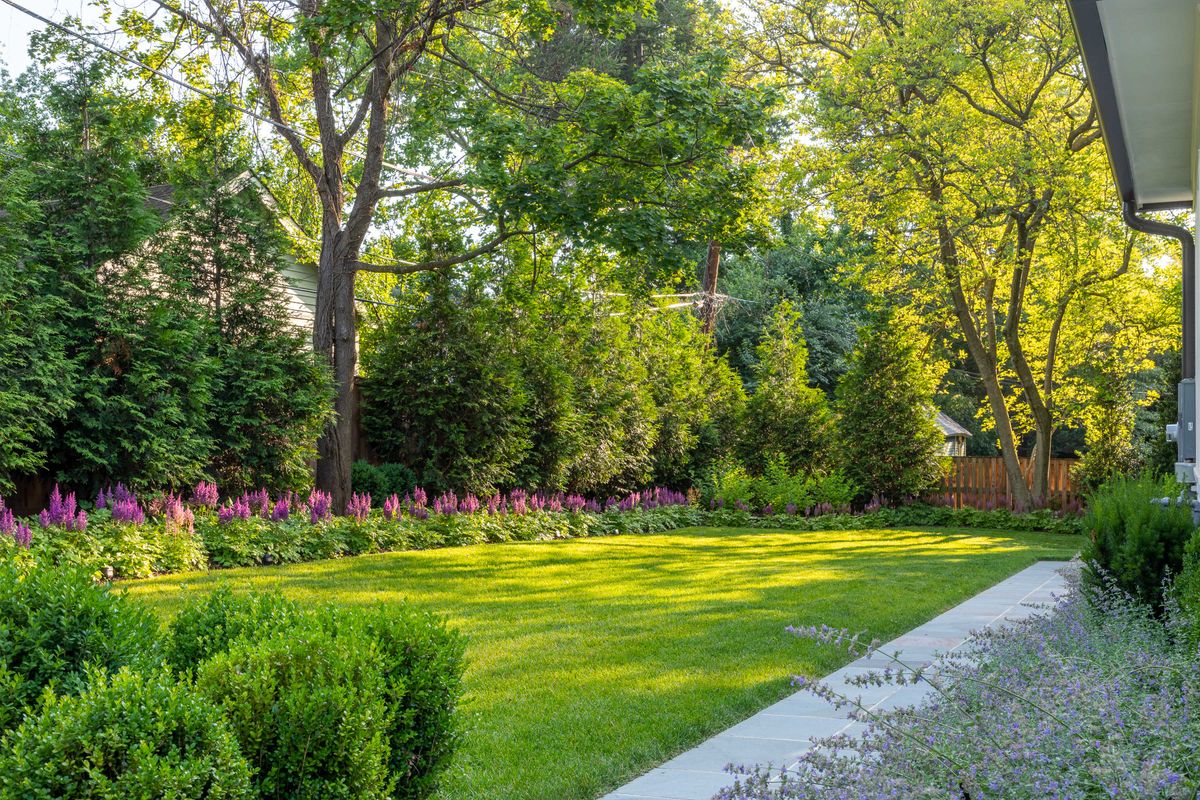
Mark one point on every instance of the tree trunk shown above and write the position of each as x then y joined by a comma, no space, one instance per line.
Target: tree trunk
948,255
712,270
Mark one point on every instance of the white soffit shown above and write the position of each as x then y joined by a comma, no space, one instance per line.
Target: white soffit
1152,49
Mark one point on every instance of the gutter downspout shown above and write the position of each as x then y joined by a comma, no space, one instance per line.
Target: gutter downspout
1185,431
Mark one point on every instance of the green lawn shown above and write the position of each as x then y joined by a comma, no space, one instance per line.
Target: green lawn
592,660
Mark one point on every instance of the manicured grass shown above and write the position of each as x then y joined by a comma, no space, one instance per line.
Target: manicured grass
592,660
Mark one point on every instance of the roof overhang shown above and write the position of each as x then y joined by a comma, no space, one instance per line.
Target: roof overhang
1141,62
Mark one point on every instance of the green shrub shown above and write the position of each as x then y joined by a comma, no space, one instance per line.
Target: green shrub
128,737
726,484
422,665
308,710
382,481
779,487
56,621
209,625
1135,540
834,488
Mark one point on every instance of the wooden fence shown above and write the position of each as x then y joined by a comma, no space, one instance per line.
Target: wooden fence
982,482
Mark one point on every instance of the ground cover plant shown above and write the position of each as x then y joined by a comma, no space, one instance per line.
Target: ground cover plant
597,658
1096,698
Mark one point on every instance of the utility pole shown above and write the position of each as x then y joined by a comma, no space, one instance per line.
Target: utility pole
712,270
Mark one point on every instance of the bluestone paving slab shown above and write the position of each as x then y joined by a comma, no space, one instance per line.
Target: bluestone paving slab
779,735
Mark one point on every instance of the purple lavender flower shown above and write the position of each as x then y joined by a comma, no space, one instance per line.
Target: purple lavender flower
391,508
205,495
359,507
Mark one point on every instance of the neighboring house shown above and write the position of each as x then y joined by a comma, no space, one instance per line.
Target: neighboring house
1142,58
956,435
297,283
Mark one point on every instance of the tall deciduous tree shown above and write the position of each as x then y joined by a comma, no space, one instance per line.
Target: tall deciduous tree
471,103
963,138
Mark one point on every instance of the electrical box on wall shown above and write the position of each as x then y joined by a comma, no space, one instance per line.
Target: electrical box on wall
1184,433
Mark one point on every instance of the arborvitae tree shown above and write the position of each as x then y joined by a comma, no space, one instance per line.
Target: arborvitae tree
888,439
35,376
785,416
443,391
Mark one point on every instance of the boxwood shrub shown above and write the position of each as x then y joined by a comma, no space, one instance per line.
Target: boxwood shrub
128,737
56,621
309,713
212,623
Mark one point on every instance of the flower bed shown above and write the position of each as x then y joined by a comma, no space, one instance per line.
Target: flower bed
126,537
1096,699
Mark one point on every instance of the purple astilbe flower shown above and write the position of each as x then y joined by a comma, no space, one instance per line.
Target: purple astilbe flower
536,502
555,502
359,507
81,521
518,501
320,506
574,503
446,503
225,515
495,504
612,504
768,510
282,509
8,524
469,504
419,498
790,509
61,510
205,495
22,535
259,503
102,499
593,507
128,511
419,512
740,506
391,508
121,492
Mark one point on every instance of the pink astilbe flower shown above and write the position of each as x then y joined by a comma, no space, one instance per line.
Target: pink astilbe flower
495,504
518,501
205,495
574,503
259,502
419,498
283,508
359,507
469,504
391,508
178,518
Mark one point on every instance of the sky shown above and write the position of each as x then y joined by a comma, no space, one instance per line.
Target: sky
15,27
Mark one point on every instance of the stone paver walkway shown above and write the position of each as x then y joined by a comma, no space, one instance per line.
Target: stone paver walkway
780,734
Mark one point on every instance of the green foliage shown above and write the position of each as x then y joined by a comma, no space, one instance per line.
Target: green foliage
779,487
888,439
422,663
726,484
54,623
785,416
382,481
213,623
1160,455
128,737
1134,539
309,713
1110,449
